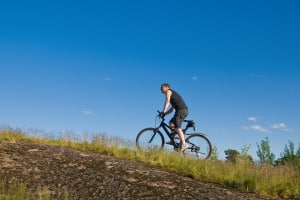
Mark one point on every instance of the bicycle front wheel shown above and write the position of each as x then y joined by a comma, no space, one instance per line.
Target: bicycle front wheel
149,139
200,146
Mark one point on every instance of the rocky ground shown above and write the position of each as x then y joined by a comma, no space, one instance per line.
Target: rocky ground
96,176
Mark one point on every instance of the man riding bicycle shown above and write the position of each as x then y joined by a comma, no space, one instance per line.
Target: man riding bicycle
181,111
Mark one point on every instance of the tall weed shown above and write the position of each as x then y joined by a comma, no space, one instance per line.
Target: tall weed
266,180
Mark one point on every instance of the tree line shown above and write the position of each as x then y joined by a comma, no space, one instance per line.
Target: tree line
290,155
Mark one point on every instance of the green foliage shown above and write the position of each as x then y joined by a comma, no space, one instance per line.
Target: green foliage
240,172
214,153
8,133
14,190
264,152
232,155
245,155
290,156
235,156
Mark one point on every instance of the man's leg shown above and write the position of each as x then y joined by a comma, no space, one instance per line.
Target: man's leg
172,126
173,132
181,135
179,119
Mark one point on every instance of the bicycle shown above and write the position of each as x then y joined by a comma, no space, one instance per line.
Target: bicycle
153,138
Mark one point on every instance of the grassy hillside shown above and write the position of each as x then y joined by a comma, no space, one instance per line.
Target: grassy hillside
266,180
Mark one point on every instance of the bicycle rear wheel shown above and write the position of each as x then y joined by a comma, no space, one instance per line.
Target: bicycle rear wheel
200,146
150,139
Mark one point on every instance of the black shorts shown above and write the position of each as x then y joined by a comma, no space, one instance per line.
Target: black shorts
178,118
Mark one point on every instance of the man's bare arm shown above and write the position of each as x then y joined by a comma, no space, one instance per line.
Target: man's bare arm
167,103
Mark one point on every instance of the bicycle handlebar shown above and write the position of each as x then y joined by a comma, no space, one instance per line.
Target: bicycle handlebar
159,115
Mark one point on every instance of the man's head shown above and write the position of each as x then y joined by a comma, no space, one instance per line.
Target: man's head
164,87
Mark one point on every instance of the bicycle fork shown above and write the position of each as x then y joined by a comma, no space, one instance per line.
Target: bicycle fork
154,133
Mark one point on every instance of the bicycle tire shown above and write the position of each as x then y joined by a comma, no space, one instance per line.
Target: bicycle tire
200,146
150,139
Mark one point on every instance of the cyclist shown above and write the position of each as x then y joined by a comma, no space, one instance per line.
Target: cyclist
181,111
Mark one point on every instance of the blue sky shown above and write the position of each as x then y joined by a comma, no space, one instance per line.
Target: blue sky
97,67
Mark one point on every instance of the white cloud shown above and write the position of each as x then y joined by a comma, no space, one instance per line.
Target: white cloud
194,78
257,127
87,112
107,78
253,119
265,128
279,126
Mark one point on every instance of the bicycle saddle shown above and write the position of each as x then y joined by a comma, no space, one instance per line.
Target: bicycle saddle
190,123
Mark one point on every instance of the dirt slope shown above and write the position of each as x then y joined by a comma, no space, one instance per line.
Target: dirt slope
96,176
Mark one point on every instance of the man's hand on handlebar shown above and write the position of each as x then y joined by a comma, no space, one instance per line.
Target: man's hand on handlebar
162,114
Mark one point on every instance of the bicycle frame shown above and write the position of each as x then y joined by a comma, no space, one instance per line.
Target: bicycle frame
167,129
154,137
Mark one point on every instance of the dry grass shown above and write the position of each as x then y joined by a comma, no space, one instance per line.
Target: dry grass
269,181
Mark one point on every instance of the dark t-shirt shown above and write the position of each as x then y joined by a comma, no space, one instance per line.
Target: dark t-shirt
177,101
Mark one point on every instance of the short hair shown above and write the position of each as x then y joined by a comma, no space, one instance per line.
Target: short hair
165,85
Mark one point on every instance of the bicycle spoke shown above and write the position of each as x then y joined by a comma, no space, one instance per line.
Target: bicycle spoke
200,146
149,139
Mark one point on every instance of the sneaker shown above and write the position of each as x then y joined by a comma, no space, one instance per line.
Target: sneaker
169,142
184,147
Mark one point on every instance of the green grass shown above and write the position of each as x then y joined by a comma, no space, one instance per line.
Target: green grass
266,180
14,190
